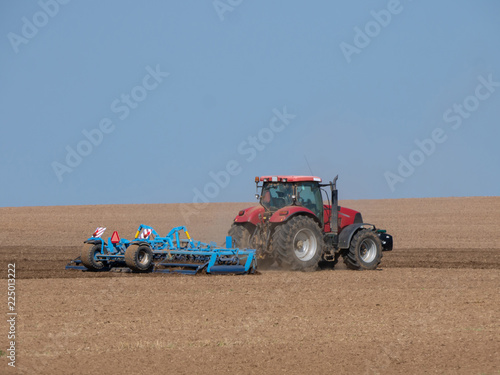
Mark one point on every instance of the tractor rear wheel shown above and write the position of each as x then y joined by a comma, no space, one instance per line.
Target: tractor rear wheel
89,252
365,252
298,244
138,257
241,235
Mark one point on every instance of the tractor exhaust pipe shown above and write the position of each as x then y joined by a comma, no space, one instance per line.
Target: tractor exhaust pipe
334,227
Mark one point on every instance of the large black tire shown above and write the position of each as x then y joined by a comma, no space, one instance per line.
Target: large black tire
139,257
365,252
241,234
298,244
88,257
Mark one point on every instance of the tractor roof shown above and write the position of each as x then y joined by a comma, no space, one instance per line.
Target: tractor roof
289,178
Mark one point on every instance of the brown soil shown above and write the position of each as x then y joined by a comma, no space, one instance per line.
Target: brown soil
432,307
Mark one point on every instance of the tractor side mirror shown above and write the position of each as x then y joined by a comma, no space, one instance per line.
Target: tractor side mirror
257,196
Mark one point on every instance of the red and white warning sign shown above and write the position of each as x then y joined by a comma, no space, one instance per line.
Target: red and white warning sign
115,238
98,232
145,233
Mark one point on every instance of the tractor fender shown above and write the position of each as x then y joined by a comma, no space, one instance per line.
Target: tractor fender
348,232
286,213
249,215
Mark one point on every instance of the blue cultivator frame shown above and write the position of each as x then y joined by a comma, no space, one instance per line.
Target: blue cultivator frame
168,254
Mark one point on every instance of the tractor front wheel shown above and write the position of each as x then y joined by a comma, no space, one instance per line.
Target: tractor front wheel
298,244
89,252
365,252
139,257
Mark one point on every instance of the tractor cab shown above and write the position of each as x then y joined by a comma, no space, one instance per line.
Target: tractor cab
280,192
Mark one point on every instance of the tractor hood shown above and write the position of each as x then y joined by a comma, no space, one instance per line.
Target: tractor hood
347,216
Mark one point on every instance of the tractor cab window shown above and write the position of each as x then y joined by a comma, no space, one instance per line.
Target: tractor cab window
309,196
276,195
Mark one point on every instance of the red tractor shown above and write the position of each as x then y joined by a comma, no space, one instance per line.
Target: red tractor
293,226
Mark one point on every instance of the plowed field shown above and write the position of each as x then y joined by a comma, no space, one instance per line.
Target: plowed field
432,307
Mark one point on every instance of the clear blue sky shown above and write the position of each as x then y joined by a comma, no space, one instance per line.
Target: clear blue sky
185,89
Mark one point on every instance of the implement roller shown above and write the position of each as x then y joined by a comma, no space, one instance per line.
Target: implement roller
150,252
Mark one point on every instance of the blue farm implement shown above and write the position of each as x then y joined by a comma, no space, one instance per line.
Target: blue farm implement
150,252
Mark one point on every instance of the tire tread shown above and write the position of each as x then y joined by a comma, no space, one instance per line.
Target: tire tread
87,257
283,248
131,258
351,255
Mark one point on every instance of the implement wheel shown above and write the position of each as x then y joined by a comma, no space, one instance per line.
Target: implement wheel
139,257
89,252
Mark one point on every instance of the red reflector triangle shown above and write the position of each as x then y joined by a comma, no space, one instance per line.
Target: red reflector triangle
115,238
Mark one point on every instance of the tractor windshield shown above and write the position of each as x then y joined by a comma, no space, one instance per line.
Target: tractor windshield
309,196
276,195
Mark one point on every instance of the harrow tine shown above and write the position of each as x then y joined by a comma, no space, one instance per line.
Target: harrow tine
75,264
